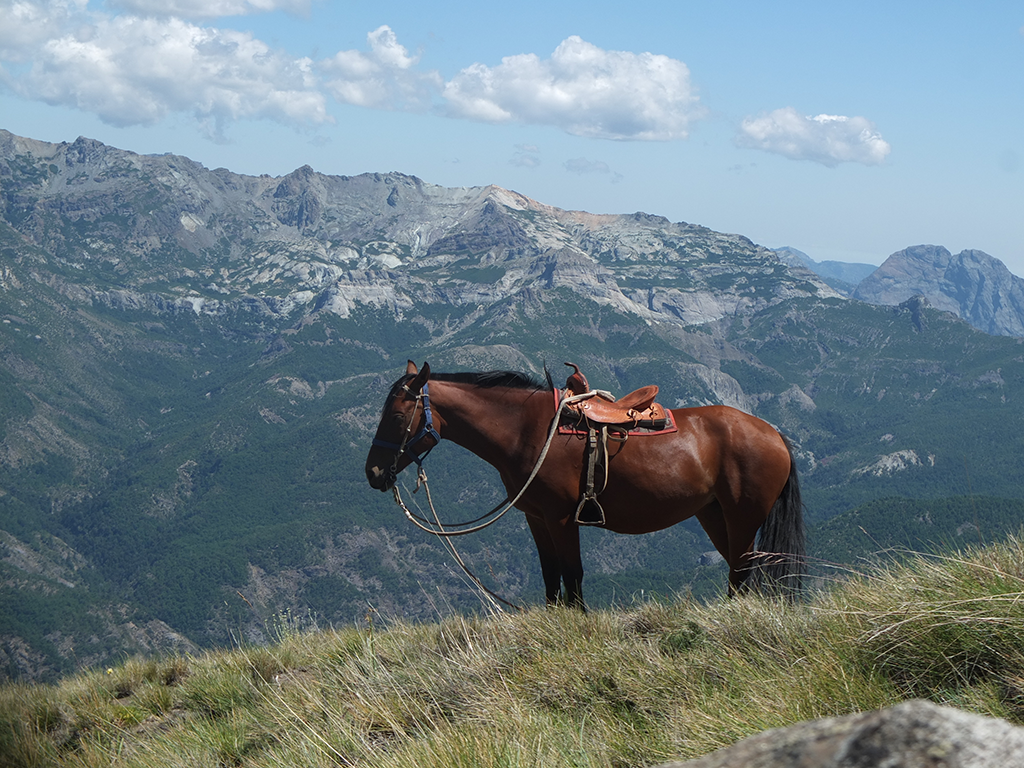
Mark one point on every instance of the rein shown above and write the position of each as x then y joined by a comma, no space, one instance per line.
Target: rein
436,527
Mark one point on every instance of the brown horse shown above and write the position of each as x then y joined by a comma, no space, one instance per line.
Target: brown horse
733,471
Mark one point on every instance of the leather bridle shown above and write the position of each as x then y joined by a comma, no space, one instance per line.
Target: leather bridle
410,441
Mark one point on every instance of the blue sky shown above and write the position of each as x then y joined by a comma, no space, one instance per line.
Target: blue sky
846,130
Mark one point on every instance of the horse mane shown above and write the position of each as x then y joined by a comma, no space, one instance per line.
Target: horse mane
487,379
484,379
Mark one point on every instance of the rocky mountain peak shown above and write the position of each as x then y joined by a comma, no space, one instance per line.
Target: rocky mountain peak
164,231
973,285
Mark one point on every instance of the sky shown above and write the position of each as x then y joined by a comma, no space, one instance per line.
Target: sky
847,130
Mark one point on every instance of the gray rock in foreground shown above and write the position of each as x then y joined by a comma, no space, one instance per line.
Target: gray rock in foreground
916,734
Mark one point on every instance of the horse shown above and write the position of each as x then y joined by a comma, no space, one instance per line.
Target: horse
733,471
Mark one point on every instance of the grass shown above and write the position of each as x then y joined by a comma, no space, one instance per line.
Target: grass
629,687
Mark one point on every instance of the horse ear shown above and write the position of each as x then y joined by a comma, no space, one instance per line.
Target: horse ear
410,368
421,378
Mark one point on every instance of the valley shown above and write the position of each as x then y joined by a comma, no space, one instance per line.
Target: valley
193,363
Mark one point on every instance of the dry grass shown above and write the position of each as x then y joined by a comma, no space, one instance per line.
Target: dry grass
610,688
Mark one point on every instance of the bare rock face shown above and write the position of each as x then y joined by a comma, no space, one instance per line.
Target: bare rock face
916,734
165,235
972,285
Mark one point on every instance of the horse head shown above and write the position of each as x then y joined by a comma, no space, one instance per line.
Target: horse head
405,425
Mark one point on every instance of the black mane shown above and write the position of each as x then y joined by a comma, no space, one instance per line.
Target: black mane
485,379
512,379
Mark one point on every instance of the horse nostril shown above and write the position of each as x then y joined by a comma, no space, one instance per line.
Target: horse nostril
378,478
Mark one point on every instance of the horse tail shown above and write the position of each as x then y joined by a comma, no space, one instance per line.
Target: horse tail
779,570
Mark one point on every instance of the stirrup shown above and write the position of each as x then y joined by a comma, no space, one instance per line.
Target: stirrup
590,512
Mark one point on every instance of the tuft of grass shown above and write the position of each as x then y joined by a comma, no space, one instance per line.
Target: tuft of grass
629,687
943,623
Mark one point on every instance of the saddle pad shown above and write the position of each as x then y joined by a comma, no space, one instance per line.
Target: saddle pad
568,428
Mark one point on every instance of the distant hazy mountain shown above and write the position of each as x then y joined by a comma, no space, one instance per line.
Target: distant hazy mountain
841,275
972,284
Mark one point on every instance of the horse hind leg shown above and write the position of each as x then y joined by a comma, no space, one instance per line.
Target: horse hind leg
782,542
734,542
712,520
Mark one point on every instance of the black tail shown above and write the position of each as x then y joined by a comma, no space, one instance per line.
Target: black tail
779,569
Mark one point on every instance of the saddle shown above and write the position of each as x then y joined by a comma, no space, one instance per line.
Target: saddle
637,409
604,419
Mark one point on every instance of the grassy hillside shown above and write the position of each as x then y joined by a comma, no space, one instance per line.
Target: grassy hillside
629,687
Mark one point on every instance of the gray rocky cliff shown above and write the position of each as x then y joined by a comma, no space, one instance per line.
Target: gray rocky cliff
164,234
971,284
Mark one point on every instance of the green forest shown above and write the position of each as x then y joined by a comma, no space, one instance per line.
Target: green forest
209,470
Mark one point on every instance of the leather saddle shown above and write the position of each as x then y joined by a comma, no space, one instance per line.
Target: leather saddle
604,418
637,409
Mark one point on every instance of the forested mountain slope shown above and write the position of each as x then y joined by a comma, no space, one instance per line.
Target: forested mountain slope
192,364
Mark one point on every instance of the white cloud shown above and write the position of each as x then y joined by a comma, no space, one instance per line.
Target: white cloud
208,9
582,89
137,69
130,70
25,25
825,139
581,166
384,78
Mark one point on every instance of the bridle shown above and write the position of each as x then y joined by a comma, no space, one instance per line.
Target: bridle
409,441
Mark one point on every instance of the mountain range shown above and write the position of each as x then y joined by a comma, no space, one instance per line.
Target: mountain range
844,276
193,362
971,285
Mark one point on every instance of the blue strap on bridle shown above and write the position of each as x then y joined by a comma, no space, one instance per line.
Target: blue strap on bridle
426,429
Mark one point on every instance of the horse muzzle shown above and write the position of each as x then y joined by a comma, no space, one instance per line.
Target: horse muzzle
381,479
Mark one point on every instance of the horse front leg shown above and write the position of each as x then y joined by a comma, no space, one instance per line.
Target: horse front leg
566,535
549,566
558,546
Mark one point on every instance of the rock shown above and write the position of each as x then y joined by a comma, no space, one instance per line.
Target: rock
711,557
915,734
972,285
181,238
